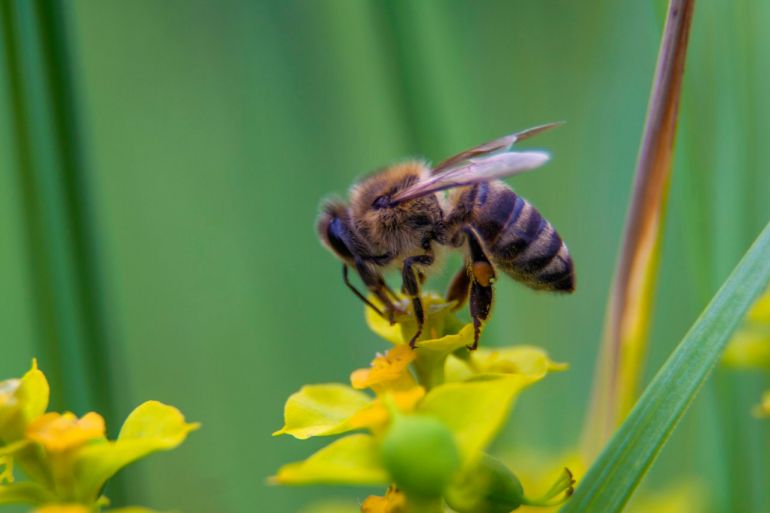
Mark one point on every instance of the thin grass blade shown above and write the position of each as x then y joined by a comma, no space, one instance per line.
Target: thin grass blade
617,472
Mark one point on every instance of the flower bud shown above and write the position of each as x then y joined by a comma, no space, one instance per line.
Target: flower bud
421,455
488,487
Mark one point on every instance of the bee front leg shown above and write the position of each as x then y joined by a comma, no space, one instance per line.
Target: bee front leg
411,287
377,286
481,294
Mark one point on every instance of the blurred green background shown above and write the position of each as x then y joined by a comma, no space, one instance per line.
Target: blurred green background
206,135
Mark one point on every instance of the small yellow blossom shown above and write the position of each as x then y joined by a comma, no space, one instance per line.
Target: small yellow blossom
438,387
21,401
377,414
67,460
393,502
387,372
59,432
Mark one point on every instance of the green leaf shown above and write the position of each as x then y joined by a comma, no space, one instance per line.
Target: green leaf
151,427
351,460
474,410
318,410
615,475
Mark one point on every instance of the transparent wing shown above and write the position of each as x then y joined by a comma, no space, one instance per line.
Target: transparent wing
484,163
473,171
492,147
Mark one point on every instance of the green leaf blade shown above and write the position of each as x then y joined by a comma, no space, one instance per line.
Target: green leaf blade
616,473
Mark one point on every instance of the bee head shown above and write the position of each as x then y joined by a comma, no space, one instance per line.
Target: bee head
333,231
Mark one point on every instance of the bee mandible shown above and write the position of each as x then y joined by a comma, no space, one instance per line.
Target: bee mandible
400,217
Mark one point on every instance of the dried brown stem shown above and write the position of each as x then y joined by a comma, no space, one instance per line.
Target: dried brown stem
627,317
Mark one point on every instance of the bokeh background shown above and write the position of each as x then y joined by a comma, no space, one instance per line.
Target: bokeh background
170,252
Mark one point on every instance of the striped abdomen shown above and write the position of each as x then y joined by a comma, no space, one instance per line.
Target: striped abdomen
519,241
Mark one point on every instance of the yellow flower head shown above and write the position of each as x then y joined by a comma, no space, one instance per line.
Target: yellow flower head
387,372
393,502
62,432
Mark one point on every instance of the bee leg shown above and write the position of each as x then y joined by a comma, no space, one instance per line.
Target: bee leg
459,288
355,291
481,294
411,287
376,286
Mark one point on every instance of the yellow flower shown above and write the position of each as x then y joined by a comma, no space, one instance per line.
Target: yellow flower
387,372
393,502
438,388
21,401
58,432
68,459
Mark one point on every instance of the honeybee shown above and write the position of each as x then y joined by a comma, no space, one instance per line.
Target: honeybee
399,217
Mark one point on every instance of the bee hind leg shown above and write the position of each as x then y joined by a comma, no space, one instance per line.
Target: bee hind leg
482,275
411,287
460,287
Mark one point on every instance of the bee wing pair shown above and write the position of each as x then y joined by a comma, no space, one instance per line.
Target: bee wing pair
483,163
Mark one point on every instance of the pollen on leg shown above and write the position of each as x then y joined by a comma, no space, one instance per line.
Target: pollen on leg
483,273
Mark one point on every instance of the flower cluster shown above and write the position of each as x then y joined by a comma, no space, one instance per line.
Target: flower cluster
750,346
419,421
67,460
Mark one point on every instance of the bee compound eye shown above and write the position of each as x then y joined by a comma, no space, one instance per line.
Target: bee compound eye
335,233
381,202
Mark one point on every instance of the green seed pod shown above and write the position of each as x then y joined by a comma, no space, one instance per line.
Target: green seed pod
421,455
488,487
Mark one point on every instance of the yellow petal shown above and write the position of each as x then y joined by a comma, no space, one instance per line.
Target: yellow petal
58,432
474,410
21,401
353,460
318,410
151,427
34,393
393,502
530,362
387,372
748,349
377,414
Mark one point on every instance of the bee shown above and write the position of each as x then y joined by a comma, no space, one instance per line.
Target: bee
400,217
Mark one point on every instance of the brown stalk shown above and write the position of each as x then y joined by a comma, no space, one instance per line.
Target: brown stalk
637,268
